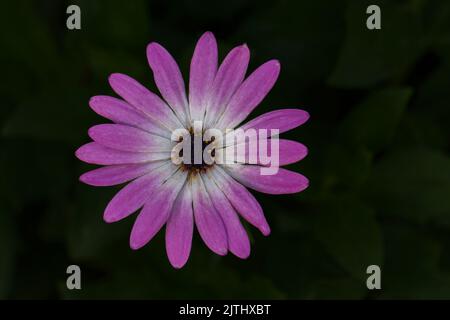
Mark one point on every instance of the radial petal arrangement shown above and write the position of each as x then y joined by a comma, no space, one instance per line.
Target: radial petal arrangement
137,149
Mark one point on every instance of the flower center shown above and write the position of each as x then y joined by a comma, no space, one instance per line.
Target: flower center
196,160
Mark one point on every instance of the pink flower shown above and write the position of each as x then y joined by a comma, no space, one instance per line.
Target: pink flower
136,148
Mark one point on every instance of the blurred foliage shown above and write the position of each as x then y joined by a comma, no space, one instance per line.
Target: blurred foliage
378,138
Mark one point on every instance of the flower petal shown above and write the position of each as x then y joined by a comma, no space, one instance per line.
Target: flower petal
126,138
121,112
250,94
238,241
241,199
283,182
179,229
168,79
117,174
229,77
96,153
208,221
156,210
253,152
133,196
201,76
283,120
291,151
144,100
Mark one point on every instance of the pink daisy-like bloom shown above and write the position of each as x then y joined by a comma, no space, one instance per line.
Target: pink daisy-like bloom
136,148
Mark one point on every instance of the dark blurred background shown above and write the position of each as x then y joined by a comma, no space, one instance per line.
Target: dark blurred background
378,137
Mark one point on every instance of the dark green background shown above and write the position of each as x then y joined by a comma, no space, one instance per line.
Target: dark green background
378,137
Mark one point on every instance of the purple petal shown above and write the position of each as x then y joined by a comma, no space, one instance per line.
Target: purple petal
291,151
121,112
229,77
288,152
203,71
117,174
180,228
156,211
283,182
250,94
208,221
133,196
168,79
238,241
126,138
144,100
95,153
241,199
283,120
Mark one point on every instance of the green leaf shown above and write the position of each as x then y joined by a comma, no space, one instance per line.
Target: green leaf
88,236
116,25
105,62
350,233
31,43
373,122
339,288
7,251
433,96
35,171
413,183
436,17
350,167
56,113
422,128
370,56
303,35
412,268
